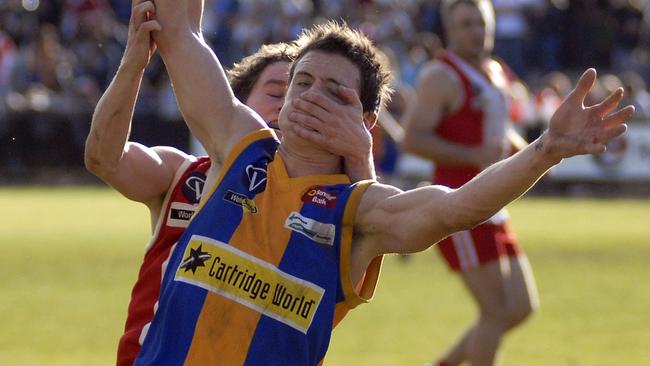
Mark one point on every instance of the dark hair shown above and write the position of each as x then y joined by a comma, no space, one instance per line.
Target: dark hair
338,38
243,75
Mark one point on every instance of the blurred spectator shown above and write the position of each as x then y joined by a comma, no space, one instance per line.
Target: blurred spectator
511,31
56,56
629,20
549,23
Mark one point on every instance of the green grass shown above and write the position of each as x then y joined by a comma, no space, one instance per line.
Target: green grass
68,259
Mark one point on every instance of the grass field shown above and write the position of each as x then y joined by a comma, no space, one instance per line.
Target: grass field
68,258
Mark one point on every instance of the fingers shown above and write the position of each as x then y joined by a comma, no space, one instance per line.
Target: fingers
315,104
306,120
309,135
599,144
350,96
135,3
147,27
610,133
584,85
596,148
618,117
610,103
140,11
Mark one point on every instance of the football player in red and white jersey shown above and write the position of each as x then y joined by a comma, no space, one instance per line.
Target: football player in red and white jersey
170,182
463,127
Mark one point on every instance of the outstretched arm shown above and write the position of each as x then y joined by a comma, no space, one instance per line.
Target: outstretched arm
421,217
138,172
205,98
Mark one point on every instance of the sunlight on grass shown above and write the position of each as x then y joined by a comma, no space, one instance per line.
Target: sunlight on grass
70,257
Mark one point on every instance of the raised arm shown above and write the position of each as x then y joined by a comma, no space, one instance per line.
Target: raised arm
212,112
138,172
390,220
437,94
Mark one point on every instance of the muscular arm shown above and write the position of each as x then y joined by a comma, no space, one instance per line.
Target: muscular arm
437,94
389,220
138,172
212,112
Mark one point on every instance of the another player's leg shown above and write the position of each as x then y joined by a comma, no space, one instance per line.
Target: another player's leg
505,293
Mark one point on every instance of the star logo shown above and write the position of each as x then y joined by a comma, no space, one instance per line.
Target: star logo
196,259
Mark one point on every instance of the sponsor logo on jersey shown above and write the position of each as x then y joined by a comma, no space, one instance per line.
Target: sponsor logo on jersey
255,177
317,231
180,214
193,187
223,269
319,196
247,204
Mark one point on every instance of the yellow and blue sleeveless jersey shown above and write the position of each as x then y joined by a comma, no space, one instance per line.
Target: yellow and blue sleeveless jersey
262,273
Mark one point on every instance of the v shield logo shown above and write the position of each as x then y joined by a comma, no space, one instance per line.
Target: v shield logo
193,187
256,177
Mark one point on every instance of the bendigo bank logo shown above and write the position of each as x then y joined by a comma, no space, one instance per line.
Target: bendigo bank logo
318,196
229,272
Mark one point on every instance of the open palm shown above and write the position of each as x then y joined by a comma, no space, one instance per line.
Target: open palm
576,129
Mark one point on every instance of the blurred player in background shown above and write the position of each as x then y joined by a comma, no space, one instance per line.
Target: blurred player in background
170,182
460,121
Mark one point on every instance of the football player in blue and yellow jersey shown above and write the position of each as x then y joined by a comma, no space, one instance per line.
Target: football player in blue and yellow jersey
284,245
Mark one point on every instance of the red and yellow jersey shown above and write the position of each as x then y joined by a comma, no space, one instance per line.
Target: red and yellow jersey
262,273
179,205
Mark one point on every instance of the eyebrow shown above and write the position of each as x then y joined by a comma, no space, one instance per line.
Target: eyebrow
276,82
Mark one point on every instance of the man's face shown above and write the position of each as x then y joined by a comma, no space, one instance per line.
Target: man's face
467,30
317,72
267,95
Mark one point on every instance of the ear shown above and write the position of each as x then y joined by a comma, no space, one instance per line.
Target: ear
369,120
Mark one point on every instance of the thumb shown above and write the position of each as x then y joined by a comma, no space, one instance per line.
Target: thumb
584,85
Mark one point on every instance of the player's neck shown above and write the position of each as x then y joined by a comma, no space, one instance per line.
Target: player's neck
302,163
473,59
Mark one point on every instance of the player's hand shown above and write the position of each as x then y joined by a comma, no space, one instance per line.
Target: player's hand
140,45
178,18
333,122
576,129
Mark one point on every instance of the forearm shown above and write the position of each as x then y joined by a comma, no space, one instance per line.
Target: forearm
111,122
209,107
499,185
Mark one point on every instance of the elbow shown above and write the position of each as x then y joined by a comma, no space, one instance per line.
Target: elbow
95,163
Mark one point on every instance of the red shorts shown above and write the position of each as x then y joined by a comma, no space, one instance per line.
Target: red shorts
472,248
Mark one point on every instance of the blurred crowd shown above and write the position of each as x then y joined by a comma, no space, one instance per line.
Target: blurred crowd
57,56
